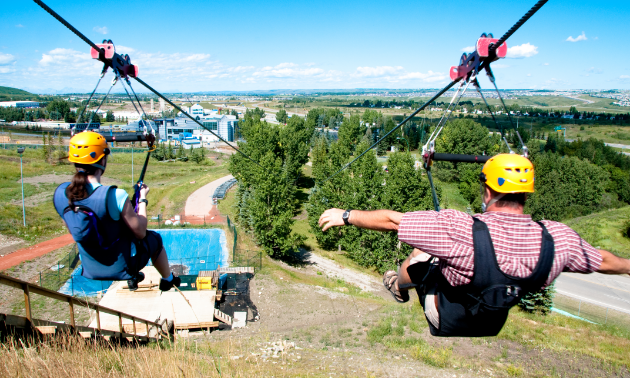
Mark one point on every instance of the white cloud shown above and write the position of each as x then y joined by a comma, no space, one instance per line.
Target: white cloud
124,49
287,70
624,77
429,77
526,50
594,70
545,64
19,26
468,49
581,37
528,75
101,30
6,59
380,71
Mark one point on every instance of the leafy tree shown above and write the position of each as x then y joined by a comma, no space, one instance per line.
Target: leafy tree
565,187
267,196
57,109
109,117
281,116
351,132
181,153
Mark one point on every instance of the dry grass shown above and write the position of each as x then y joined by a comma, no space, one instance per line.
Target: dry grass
71,356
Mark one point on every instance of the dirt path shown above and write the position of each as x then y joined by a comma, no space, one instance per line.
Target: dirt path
200,202
333,270
32,252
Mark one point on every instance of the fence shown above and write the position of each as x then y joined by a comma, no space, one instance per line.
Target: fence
244,257
592,312
57,275
232,228
219,192
162,221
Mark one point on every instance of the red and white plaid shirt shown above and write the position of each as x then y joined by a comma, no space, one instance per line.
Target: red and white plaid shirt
517,239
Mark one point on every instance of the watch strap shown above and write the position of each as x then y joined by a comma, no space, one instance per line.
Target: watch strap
346,217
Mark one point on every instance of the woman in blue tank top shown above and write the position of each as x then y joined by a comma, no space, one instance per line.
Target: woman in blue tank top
113,240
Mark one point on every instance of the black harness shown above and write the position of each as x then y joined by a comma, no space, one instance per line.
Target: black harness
481,307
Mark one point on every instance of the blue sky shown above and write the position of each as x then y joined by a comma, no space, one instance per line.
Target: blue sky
257,45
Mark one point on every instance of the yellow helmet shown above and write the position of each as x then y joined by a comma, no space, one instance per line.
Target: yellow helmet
509,173
87,147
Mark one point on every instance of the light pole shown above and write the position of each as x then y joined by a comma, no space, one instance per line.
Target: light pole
20,151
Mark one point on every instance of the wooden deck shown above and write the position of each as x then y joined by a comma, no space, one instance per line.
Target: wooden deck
193,309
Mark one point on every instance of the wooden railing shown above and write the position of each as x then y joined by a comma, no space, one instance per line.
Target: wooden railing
29,288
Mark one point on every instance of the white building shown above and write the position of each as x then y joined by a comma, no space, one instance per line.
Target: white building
223,125
19,104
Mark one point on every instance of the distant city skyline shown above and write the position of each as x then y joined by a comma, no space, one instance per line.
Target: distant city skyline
248,46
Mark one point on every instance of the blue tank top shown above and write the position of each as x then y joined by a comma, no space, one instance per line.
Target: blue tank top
104,244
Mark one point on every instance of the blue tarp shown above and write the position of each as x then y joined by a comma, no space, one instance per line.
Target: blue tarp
194,249
80,286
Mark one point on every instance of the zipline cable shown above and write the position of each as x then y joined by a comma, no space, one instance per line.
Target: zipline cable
92,94
518,24
86,40
193,119
499,126
437,95
102,101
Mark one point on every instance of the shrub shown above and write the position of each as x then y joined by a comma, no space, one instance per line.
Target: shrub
538,302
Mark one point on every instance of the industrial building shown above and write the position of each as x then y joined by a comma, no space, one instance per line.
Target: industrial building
19,104
223,125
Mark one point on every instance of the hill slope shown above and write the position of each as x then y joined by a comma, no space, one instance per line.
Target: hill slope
9,94
14,91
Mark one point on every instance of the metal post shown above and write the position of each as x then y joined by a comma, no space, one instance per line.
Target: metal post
132,164
22,177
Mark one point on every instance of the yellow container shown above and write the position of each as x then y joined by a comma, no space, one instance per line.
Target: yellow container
204,283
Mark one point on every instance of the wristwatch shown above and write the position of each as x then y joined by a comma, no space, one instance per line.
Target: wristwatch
346,217
144,200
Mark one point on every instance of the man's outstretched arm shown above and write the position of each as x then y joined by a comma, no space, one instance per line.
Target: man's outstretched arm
379,220
612,264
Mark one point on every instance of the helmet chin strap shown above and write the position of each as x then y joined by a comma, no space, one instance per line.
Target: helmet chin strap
485,206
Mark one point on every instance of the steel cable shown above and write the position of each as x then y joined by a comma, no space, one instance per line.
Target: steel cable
437,95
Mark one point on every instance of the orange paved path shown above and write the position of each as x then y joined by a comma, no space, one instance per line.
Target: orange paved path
32,252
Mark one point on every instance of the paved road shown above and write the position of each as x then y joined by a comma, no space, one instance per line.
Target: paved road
616,145
605,290
200,202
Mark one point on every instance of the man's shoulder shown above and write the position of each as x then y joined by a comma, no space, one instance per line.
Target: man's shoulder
557,228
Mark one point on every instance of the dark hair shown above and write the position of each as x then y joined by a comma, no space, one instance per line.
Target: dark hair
512,200
77,190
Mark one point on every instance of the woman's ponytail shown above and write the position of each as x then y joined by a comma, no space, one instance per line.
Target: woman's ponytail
77,190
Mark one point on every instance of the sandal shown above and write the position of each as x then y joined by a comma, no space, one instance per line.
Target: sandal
389,279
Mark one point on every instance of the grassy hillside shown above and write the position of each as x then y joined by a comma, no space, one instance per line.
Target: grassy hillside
604,230
14,91
8,94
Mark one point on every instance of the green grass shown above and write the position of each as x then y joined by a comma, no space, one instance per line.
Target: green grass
604,230
169,182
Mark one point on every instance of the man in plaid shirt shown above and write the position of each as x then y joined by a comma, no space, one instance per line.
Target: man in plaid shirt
448,236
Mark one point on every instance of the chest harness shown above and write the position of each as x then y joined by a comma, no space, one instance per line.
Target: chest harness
481,307
104,244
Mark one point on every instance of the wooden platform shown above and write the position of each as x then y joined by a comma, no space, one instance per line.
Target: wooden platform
193,309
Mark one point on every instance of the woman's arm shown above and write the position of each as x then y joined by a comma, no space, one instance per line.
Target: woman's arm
137,223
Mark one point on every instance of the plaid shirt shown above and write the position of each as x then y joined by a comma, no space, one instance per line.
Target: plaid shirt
517,239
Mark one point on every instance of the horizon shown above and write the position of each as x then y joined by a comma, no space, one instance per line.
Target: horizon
319,47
